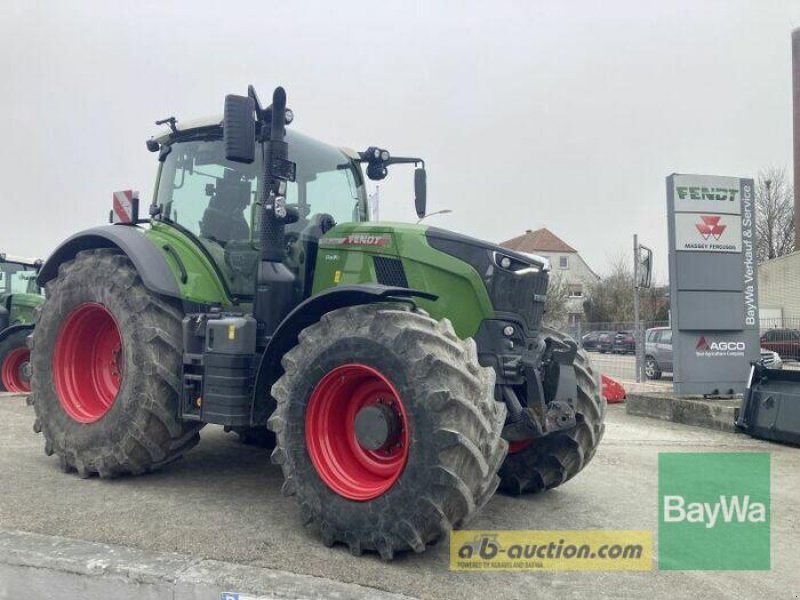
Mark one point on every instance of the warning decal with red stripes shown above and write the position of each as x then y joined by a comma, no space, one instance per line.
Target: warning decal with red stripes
125,206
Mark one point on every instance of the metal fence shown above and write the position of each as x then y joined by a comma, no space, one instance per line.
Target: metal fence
613,347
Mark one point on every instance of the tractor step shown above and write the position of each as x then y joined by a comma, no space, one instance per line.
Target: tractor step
219,366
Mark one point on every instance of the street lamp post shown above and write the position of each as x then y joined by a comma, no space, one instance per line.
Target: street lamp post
444,211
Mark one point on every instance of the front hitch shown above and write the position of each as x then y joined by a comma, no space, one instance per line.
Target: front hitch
551,388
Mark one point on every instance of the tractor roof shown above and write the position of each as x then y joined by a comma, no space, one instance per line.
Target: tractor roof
29,262
216,121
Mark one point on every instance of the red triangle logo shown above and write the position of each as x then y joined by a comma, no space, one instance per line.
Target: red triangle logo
710,227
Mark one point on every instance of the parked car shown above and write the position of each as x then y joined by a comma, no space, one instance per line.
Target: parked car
591,341
624,342
658,353
786,342
771,359
605,342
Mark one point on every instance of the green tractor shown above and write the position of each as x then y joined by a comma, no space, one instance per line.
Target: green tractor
402,369
20,295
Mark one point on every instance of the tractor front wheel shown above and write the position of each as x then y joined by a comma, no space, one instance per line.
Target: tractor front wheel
14,363
106,361
387,429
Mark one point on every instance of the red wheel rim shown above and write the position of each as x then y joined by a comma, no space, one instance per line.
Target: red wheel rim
12,372
518,446
348,469
87,363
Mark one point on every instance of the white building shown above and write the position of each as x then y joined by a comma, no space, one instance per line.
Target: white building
565,262
779,291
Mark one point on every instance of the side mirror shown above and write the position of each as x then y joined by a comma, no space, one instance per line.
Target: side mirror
420,191
645,267
239,129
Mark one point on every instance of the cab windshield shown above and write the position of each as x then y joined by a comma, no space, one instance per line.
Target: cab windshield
17,278
218,200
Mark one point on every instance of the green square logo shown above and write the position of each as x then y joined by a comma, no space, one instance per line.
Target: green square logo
714,511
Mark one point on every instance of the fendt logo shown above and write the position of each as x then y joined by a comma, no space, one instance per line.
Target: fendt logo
710,227
716,194
706,348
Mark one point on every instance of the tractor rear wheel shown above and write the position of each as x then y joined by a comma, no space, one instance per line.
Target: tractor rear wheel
106,359
14,363
387,429
542,464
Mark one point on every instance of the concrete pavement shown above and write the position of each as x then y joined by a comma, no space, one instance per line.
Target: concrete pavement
223,503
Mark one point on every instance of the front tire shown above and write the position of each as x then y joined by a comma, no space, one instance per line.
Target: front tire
14,360
651,369
437,470
545,463
106,360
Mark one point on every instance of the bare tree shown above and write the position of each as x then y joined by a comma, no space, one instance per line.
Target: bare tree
555,306
774,214
610,300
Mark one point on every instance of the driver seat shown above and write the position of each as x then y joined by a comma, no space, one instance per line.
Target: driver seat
224,220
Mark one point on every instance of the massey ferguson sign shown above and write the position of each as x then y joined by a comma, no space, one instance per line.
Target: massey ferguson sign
713,291
699,232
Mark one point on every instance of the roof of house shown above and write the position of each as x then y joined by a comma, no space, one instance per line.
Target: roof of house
540,240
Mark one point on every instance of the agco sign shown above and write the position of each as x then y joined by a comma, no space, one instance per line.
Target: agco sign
722,348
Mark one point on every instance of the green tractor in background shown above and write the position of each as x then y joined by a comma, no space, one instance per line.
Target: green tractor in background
20,294
403,369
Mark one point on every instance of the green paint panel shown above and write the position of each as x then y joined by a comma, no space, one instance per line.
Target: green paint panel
345,258
22,306
203,285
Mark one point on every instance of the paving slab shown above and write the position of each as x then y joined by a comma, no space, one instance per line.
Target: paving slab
222,503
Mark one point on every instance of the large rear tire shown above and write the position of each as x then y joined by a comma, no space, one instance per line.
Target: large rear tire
436,472
14,359
106,359
548,462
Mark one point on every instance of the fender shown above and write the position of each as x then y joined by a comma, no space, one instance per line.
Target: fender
14,329
304,314
146,258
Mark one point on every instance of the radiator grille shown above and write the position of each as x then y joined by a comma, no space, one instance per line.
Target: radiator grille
390,271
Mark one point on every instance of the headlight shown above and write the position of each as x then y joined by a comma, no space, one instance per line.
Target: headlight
507,263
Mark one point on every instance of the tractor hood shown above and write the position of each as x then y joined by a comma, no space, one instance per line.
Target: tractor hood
479,252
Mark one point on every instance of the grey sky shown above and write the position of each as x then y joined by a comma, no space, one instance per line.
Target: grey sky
560,114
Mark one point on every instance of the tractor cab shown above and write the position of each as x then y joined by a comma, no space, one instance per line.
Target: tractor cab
19,291
219,202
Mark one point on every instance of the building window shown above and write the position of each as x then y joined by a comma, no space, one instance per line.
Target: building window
563,262
576,291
